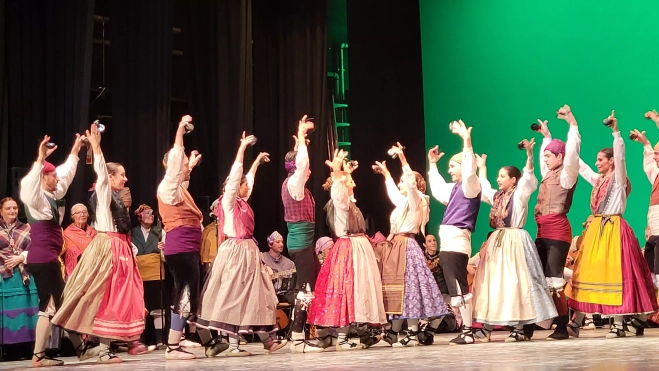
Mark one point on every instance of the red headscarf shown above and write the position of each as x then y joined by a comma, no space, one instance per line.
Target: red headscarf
48,168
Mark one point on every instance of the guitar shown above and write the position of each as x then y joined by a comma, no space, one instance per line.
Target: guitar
274,276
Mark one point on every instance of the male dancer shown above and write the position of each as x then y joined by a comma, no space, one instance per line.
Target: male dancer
300,217
40,188
462,200
560,169
181,220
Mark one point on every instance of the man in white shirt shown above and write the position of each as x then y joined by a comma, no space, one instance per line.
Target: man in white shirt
39,190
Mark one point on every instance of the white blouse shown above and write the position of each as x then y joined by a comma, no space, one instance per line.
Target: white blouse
617,200
104,221
526,185
230,195
341,201
416,203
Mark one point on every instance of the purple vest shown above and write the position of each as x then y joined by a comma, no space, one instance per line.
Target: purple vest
182,239
460,211
47,242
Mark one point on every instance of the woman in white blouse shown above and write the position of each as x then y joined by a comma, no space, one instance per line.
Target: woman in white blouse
104,296
610,275
509,286
410,291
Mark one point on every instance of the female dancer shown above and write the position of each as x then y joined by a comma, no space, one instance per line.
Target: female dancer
409,288
510,288
104,296
238,296
610,275
19,294
349,287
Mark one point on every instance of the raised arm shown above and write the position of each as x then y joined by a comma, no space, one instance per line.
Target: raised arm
649,164
67,171
339,191
439,189
528,183
618,151
544,129
487,192
251,174
587,173
236,173
297,181
392,190
570,171
169,189
102,186
471,186
413,197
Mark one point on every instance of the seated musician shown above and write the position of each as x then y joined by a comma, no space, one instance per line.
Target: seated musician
283,269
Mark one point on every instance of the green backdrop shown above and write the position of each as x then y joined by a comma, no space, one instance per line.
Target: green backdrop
501,64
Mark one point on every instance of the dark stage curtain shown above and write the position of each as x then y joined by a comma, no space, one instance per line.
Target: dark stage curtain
217,38
140,70
386,96
290,80
45,61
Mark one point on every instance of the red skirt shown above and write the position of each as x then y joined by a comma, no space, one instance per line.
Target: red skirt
334,301
104,296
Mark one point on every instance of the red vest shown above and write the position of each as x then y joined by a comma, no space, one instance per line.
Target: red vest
298,211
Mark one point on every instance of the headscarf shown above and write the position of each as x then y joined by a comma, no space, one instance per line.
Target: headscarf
323,244
274,236
290,166
556,147
214,207
48,168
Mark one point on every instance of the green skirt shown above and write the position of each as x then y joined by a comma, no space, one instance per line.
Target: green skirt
19,309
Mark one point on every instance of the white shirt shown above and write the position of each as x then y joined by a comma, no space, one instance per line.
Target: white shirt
297,181
570,171
341,201
230,195
34,197
169,190
618,195
471,186
417,204
526,185
104,221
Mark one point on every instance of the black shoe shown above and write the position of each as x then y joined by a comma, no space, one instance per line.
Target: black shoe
466,337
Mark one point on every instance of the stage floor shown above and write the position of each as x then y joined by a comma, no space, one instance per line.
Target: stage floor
592,351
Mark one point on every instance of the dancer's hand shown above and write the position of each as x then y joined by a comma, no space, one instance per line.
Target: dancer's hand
246,141
459,128
565,113
639,136
481,160
434,155
195,159
614,121
529,144
381,168
544,128
78,143
44,151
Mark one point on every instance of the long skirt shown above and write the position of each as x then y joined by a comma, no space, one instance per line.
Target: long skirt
349,287
409,288
104,295
510,287
20,309
610,276
238,296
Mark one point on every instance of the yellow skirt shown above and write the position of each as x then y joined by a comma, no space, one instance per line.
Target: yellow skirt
597,276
